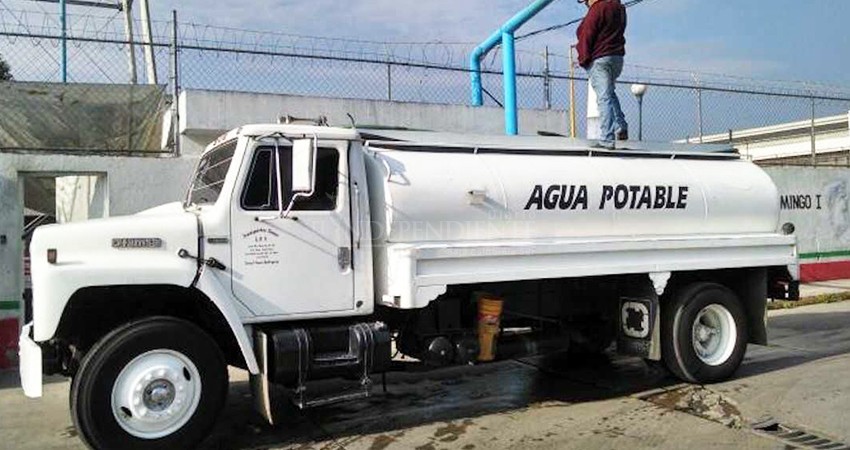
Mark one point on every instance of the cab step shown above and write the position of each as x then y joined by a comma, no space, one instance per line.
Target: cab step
294,358
363,391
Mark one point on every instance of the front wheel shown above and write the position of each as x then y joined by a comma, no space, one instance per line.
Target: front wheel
154,384
704,333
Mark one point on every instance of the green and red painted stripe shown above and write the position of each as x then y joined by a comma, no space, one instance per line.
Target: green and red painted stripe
813,268
10,305
9,329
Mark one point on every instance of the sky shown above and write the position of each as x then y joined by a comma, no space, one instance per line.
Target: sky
794,40
790,40
777,40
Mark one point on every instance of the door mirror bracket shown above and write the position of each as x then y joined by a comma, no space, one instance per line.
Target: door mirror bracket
304,157
302,173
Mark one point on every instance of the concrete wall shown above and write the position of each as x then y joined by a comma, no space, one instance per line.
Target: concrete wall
204,115
132,184
786,140
81,197
817,201
801,145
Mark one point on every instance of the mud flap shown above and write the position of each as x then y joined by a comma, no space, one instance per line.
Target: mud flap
261,386
639,333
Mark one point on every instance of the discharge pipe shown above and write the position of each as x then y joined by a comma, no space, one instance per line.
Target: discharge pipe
505,36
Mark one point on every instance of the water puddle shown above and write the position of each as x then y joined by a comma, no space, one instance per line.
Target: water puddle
701,402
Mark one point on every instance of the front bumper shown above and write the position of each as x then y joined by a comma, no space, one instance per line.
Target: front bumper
31,363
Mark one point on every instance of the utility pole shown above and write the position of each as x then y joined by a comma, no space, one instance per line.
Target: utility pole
147,42
131,48
175,87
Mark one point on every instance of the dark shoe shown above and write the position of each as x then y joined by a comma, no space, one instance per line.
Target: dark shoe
608,145
623,135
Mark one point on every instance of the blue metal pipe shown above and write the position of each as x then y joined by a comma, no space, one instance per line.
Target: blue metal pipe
509,68
499,36
523,16
63,21
475,65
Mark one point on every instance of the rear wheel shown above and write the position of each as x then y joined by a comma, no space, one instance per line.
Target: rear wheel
154,384
704,333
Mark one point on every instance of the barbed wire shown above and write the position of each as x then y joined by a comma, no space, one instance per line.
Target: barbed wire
549,29
109,28
673,110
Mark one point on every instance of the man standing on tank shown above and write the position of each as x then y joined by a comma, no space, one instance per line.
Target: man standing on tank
601,47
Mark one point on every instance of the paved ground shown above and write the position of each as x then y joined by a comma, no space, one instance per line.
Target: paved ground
824,287
802,380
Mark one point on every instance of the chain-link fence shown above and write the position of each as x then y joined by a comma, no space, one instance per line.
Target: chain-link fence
676,106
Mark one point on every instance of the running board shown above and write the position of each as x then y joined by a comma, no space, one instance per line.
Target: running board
364,391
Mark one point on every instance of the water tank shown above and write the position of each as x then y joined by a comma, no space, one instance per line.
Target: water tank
431,194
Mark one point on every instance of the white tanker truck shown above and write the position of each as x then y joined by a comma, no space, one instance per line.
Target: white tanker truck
304,253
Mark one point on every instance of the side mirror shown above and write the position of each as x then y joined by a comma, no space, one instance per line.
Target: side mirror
303,165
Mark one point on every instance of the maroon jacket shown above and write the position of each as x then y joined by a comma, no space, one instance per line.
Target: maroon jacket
601,33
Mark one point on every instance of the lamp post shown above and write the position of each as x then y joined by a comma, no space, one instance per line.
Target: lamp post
638,90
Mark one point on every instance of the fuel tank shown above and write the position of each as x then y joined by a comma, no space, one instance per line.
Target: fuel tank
455,193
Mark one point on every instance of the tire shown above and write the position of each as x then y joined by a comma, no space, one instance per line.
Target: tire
657,366
703,333
158,383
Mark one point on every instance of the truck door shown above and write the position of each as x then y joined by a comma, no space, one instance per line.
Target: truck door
298,265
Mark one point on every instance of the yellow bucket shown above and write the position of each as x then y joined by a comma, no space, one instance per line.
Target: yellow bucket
489,318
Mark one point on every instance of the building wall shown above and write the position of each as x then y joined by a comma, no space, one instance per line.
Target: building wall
786,140
132,184
206,114
797,146
817,201
81,197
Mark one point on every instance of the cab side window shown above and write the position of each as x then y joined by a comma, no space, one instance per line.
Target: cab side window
327,182
260,191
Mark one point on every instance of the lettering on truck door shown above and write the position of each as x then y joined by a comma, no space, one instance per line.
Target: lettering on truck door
300,264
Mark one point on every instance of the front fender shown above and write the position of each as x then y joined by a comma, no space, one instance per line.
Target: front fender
209,284
64,279
129,250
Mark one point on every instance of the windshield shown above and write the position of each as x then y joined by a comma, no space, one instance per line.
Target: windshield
209,177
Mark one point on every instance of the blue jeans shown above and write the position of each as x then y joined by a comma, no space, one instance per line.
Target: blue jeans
603,73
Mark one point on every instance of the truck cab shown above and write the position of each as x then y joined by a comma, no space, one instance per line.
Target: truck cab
311,235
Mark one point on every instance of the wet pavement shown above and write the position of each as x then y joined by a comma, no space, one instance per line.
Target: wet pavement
801,381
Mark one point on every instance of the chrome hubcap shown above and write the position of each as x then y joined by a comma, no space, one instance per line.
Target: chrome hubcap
159,395
156,394
714,335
